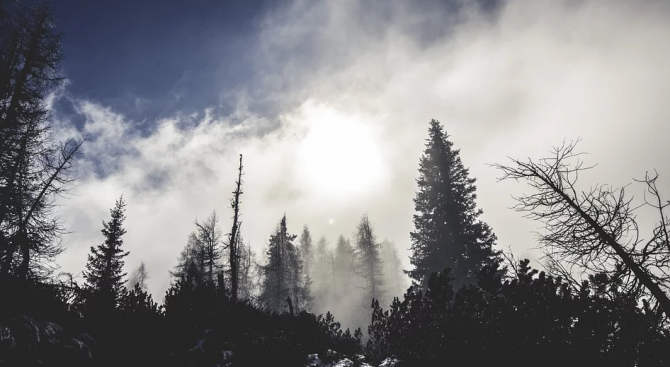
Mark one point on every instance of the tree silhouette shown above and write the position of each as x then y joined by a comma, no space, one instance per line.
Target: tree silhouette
368,261
306,250
139,277
447,230
34,170
207,246
596,230
104,270
233,239
283,275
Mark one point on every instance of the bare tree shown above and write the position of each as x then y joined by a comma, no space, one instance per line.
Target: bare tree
595,231
234,235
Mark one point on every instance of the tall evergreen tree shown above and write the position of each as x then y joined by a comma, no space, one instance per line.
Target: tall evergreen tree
368,261
208,247
447,230
342,267
306,250
283,276
323,277
104,270
247,270
393,272
186,260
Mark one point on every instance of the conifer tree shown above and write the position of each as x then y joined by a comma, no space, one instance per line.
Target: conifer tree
306,250
395,277
208,247
247,270
343,266
34,168
323,277
368,261
104,269
283,275
139,278
447,230
186,260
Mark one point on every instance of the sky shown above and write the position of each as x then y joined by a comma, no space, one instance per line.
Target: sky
329,102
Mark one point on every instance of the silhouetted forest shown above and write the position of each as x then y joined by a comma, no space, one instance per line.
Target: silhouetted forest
602,299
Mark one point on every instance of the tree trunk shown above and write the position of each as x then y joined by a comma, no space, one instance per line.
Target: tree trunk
234,256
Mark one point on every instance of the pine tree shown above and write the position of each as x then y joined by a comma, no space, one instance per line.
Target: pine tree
368,261
208,247
323,277
104,269
247,270
139,278
447,230
186,261
283,275
395,277
306,250
343,267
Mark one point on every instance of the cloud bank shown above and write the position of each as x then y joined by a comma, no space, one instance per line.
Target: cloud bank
333,122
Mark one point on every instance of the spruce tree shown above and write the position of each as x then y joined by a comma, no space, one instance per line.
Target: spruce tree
393,272
343,267
283,275
104,269
323,276
306,250
369,261
208,245
139,278
185,261
247,270
447,230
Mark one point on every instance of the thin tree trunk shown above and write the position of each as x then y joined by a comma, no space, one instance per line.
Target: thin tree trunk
234,256
642,275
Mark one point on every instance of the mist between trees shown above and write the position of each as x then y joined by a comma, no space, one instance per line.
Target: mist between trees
603,299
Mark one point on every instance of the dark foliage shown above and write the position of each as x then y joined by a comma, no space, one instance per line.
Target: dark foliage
37,327
521,320
104,270
35,169
204,323
447,231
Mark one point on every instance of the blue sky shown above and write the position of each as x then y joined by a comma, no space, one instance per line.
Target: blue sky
329,103
170,55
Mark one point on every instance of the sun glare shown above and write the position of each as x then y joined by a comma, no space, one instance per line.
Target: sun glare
341,153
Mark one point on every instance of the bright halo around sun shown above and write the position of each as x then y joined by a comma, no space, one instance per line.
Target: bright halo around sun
341,154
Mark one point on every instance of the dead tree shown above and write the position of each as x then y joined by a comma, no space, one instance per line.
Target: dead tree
233,241
595,231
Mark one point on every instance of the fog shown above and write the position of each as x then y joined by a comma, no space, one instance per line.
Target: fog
333,122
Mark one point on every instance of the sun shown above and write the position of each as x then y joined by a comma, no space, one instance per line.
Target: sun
341,153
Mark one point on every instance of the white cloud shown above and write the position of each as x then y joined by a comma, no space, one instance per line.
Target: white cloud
510,85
